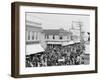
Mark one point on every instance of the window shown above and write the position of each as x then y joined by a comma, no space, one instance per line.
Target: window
47,37
29,35
68,37
32,35
53,37
60,37
36,35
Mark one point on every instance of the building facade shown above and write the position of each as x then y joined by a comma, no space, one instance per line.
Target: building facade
57,36
33,33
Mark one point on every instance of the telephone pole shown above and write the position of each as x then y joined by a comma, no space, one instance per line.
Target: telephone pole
80,24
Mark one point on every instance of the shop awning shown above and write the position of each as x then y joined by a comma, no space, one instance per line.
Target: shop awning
67,43
54,43
33,49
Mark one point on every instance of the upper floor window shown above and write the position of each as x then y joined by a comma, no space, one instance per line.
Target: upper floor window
29,35
47,36
32,35
68,37
36,35
53,37
60,37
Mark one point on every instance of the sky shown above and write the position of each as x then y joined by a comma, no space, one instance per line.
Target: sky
56,21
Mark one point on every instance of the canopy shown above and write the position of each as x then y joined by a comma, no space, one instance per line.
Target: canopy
67,43
77,41
54,42
33,49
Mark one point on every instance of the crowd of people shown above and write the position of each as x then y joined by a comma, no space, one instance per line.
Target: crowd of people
56,55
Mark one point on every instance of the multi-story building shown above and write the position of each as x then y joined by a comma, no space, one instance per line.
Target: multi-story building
38,38
34,38
57,36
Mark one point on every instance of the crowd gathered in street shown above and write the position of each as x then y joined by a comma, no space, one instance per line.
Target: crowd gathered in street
57,55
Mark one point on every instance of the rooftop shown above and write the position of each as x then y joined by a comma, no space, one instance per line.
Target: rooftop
56,32
33,26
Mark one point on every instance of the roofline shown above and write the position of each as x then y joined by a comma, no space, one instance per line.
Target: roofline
33,26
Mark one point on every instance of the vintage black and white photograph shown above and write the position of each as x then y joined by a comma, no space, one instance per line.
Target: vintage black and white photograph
53,39
56,39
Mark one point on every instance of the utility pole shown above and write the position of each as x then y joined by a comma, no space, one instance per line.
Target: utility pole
80,28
